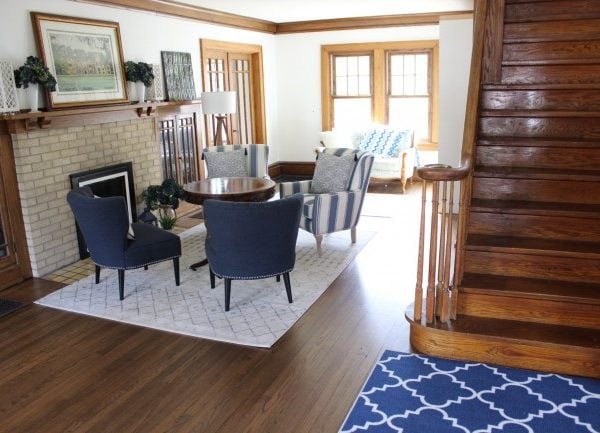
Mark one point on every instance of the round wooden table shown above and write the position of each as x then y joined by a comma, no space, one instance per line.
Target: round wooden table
228,189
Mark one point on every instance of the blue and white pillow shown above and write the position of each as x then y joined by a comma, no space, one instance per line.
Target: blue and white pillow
386,142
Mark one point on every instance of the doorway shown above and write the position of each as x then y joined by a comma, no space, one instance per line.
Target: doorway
235,67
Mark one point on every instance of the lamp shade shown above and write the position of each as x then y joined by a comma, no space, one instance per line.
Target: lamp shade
218,102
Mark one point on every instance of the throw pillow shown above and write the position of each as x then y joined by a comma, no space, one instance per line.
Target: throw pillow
332,173
226,164
385,142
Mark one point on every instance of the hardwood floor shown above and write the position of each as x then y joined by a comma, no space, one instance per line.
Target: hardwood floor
63,372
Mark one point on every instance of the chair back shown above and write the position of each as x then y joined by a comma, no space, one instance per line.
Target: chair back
252,240
104,223
359,179
257,160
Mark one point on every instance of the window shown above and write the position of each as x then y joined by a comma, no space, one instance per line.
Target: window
391,83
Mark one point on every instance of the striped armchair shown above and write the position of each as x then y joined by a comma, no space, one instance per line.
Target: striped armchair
332,212
257,160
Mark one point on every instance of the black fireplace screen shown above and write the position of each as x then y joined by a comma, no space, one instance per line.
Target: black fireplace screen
114,180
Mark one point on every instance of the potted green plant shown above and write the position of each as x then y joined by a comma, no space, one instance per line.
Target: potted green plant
139,73
30,76
164,198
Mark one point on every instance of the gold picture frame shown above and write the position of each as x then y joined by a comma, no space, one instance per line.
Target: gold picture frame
86,58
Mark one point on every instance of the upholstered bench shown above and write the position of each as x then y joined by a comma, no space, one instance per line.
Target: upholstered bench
394,149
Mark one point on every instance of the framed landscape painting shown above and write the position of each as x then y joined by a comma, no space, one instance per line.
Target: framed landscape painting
86,58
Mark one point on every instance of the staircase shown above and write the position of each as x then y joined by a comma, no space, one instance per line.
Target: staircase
530,288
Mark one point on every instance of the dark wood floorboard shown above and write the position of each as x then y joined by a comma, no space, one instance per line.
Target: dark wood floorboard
64,372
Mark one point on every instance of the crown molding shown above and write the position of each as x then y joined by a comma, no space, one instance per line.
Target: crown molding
182,10
366,22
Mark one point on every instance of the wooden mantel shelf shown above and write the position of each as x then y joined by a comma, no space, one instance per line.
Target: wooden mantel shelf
23,122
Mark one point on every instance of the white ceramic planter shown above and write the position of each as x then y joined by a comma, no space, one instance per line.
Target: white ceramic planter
32,97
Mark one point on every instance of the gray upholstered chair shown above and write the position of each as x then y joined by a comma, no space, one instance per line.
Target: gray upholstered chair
237,160
334,211
248,241
104,223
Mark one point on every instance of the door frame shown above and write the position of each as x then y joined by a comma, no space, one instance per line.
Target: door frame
257,80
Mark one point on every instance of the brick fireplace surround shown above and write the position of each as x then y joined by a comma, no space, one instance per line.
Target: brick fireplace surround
44,159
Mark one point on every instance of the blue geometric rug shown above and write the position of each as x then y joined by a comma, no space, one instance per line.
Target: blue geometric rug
409,393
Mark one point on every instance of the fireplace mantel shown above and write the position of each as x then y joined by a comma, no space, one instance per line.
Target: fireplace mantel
23,122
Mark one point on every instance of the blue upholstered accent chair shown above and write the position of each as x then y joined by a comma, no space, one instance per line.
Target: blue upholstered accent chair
335,211
104,223
256,161
248,241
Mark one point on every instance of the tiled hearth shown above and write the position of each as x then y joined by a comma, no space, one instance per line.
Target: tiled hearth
44,160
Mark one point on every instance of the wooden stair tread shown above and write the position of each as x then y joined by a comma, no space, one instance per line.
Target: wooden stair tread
532,288
514,330
535,208
537,142
533,113
556,86
590,61
537,173
512,244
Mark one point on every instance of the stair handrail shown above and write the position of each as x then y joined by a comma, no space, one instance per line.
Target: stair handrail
441,297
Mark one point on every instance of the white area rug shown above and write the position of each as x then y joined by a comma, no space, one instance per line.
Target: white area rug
259,315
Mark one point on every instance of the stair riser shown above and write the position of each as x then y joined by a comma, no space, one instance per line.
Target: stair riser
551,74
548,52
532,266
539,157
565,100
537,190
532,226
529,310
552,127
564,30
548,11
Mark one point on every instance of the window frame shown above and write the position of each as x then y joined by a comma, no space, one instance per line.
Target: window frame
380,91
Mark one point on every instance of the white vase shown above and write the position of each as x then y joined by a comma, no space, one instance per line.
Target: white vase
131,91
140,90
32,97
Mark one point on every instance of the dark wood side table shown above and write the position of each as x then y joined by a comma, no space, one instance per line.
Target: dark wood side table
228,189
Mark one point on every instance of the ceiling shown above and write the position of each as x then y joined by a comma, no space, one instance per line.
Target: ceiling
281,11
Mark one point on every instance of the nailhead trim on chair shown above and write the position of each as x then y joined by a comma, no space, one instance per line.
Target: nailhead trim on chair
137,267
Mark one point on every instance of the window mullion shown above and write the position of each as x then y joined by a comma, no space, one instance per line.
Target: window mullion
379,86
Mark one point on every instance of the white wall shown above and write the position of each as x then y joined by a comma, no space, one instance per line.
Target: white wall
456,40
299,81
291,63
144,35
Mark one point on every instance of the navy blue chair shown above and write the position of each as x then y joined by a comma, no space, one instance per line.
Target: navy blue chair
248,241
104,223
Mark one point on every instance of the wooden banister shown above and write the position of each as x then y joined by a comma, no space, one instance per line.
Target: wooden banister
446,237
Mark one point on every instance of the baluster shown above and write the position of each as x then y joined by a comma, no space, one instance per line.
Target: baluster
432,252
419,286
439,287
447,259
459,250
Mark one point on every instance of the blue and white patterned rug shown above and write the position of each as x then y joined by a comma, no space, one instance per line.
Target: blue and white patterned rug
260,313
409,393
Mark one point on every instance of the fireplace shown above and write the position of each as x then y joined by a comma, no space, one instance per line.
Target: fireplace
110,181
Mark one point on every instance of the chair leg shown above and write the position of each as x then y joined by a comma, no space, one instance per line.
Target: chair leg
288,286
353,234
227,293
212,277
278,278
146,268
121,273
319,238
176,269
97,269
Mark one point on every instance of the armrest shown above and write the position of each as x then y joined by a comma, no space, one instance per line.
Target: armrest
291,188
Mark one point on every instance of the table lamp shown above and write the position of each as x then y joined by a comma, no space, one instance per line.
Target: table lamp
220,104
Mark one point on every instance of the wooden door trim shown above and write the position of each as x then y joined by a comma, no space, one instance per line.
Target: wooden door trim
15,227
257,81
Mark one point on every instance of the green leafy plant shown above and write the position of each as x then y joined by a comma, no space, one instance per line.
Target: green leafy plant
34,72
139,71
167,193
167,222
